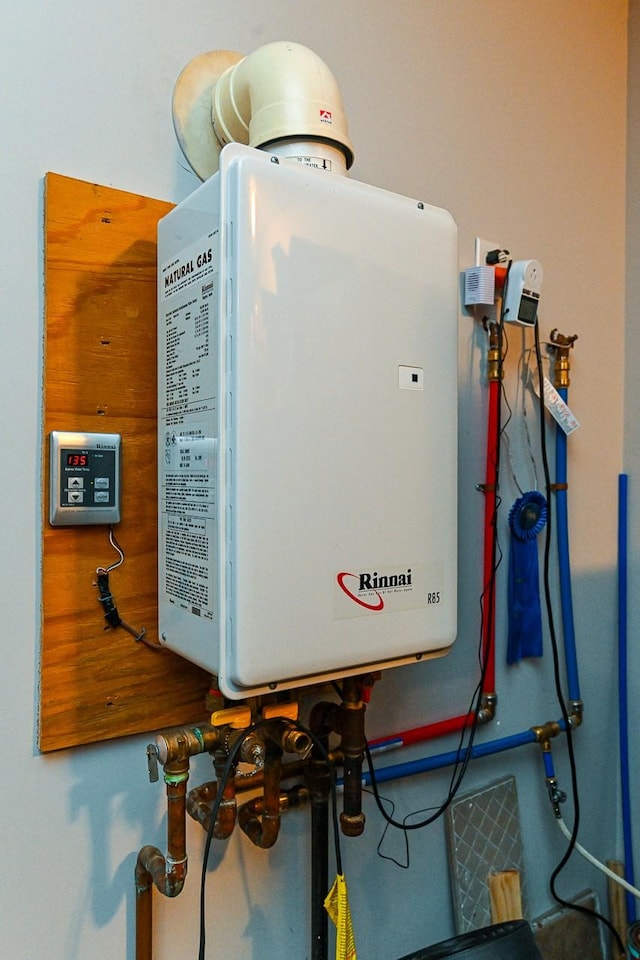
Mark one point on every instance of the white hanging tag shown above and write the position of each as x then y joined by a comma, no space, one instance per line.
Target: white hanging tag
556,406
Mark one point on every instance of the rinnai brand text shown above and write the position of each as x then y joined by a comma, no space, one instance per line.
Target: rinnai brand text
371,581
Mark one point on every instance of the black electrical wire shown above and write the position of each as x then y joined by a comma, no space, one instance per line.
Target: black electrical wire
459,768
226,773
556,668
459,772
470,727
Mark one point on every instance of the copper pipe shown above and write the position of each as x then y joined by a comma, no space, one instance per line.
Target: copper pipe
153,868
251,781
260,818
144,905
200,802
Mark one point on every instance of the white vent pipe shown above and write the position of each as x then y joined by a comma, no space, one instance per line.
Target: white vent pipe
282,97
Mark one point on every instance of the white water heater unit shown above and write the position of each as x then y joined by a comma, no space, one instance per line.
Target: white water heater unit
307,425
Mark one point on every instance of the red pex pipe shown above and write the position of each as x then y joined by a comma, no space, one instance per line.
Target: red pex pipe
440,728
490,499
429,731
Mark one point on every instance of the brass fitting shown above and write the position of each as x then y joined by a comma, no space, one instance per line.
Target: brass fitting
296,741
547,731
352,825
494,357
561,345
187,742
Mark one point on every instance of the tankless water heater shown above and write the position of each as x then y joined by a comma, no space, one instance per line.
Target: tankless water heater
307,426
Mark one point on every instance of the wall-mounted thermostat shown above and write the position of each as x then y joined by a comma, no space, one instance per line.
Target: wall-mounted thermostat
84,478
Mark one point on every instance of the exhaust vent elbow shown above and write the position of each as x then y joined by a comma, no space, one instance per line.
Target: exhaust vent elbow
282,93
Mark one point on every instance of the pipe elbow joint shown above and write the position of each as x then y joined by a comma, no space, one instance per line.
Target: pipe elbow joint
200,802
575,713
154,869
261,826
488,704
280,91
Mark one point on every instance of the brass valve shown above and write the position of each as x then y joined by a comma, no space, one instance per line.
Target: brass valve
494,358
561,345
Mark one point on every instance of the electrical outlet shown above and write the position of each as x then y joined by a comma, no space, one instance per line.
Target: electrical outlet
482,248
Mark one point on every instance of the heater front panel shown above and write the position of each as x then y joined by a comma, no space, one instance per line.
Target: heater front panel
339,330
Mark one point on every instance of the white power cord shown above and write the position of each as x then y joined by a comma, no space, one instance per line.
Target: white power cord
596,863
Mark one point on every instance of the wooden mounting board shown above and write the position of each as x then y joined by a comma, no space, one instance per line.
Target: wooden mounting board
100,376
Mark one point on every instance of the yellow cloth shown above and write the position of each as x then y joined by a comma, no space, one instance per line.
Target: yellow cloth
337,906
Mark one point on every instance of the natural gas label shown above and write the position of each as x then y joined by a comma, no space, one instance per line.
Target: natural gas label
386,589
188,401
193,264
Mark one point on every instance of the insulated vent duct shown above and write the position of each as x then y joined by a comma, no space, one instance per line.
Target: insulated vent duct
281,97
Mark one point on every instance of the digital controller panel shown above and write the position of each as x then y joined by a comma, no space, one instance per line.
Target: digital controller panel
84,478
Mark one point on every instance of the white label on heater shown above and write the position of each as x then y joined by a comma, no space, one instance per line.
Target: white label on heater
187,545
385,589
192,265
188,318
318,163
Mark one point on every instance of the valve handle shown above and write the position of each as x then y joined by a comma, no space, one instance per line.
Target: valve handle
152,762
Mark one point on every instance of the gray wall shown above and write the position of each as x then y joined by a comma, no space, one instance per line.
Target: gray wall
511,115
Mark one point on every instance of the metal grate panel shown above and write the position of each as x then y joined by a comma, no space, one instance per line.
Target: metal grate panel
483,835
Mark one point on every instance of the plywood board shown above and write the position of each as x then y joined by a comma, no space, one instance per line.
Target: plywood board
100,376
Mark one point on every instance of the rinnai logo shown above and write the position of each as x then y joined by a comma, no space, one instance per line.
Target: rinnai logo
326,116
359,587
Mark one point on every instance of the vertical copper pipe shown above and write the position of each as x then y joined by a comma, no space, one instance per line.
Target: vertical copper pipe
260,818
153,868
144,907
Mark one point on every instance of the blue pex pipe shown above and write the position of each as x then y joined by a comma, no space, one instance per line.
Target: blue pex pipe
399,770
564,565
549,770
623,712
